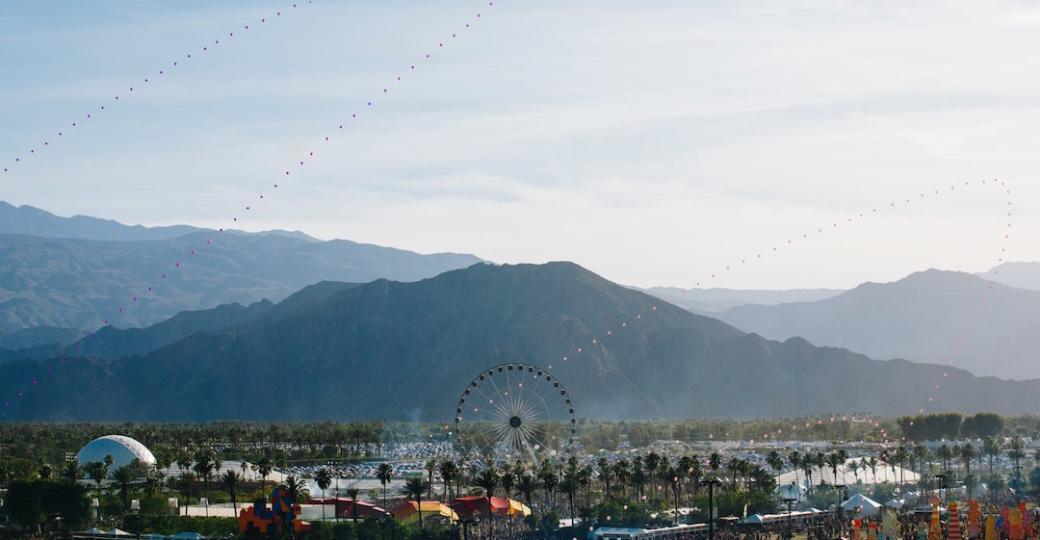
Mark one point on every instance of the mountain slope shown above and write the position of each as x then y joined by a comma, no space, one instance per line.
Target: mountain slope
1021,275
406,350
951,318
32,221
74,283
709,301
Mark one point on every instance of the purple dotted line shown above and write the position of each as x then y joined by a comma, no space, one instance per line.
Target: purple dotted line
145,81
136,299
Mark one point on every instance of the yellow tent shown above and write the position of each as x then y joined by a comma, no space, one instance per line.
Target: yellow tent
518,509
408,512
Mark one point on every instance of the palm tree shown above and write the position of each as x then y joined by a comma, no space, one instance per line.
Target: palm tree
431,466
795,460
674,479
968,453
833,460
652,461
72,472
623,474
98,472
991,448
733,466
714,462
264,466
353,494
774,460
550,479
921,454
843,456
449,470
232,480
808,463
569,486
414,489
604,474
872,462
297,489
526,484
204,465
124,476
1016,452
944,454
384,473
488,480
695,473
324,479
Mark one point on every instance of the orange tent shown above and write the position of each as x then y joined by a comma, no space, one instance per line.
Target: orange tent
408,512
474,507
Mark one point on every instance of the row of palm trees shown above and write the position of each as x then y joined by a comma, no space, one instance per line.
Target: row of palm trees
652,478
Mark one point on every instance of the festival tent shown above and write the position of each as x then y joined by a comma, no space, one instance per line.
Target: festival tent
474,507
868,507
345,508
518,509
754,519
500,505
895,504
849,473
408,512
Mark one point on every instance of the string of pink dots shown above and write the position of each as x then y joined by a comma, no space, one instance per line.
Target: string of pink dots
144,83
138,299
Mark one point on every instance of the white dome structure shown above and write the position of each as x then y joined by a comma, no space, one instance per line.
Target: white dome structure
123,450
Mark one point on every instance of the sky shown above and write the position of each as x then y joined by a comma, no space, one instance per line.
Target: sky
654,142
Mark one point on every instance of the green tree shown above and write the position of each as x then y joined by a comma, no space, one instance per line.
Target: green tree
232,480
264,466
414,489
449,471
324,479
124,477
353,494
488,479
384,473
774,460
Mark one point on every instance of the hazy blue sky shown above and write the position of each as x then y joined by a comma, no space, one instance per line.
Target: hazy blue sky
654,142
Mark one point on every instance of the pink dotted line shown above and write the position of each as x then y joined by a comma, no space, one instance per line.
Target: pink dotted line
176,265
130,91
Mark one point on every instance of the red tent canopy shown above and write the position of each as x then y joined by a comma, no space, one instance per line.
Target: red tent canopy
345,508
469,508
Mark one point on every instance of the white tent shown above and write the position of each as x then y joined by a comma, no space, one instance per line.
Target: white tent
791,491
895,504
867,507
851,472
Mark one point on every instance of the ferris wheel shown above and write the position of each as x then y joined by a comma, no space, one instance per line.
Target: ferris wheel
514,411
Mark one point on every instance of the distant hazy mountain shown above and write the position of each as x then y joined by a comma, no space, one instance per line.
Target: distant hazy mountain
717,300
76,283
406,350
1022,275
40,335
35,222
950,318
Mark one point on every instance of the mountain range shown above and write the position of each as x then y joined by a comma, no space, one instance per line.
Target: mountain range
716,300
951,318
74,274
389,349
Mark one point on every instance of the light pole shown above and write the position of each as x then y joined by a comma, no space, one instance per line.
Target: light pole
711,482
790,531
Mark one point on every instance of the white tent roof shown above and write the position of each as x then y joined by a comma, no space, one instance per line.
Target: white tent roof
867,506
851,473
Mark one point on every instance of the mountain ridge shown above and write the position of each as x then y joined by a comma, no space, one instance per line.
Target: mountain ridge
946,317
404,350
